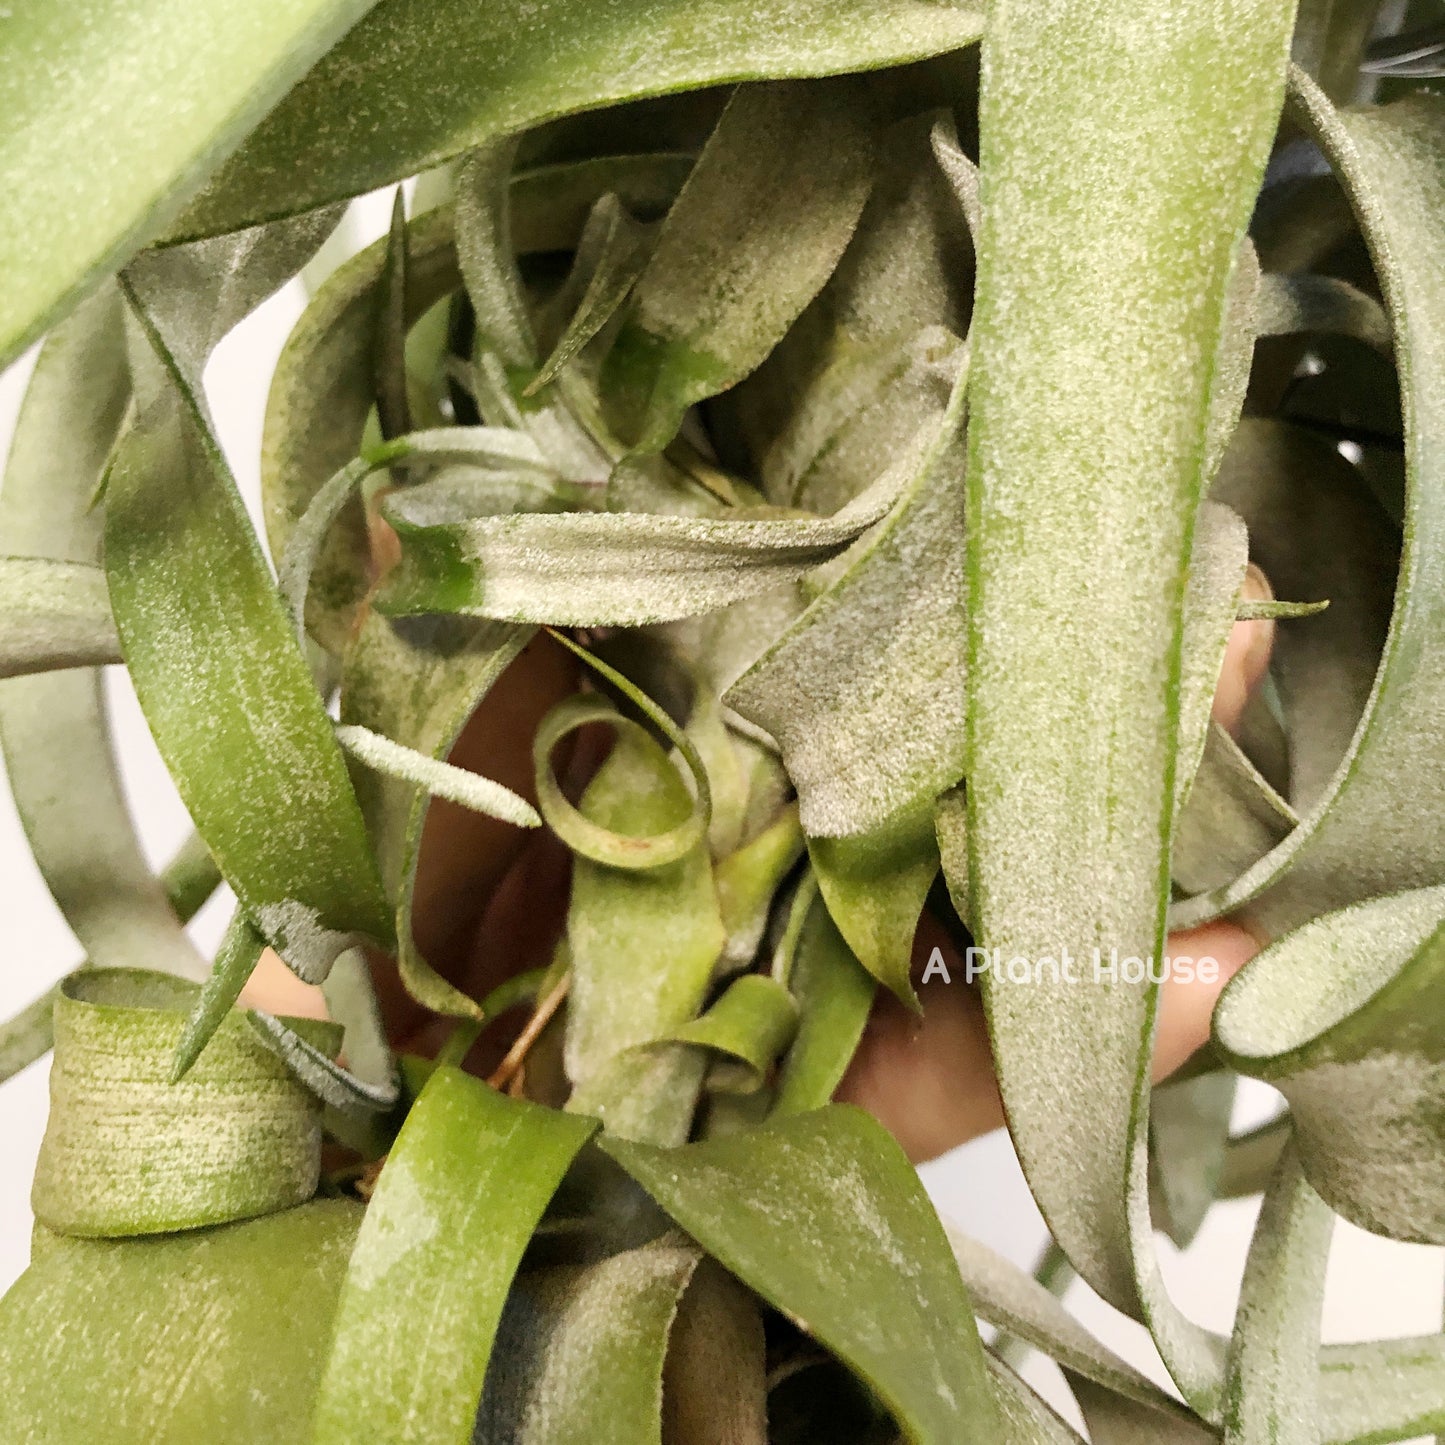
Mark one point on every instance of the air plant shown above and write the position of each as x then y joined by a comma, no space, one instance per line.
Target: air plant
782,490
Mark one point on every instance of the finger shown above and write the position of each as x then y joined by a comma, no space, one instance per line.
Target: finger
928,1080
273,988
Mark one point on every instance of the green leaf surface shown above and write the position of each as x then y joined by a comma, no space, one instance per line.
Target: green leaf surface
757,230
748,879
582,1350
875,886
1272,1384
750,1025
321,394
53,615
62,771
643,942
834,993
1342,1017
213,1334
236,959
613,569
461,1193
155,97
127,1151
210,648
360,120
822,1216
1091,398
864,693
1365,835
1188,1138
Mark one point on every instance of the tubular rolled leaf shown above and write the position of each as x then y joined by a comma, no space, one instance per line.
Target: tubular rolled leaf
129,1152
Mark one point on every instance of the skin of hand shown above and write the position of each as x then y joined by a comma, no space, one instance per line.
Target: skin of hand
490,901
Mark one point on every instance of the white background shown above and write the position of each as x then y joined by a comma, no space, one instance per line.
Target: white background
1376,1288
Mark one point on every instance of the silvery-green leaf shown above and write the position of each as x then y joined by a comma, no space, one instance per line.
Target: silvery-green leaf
834,993
440,779
874,352
754,234
181,85
461,1193
214,661
824,1218
1115,1419
1250,1158
208,1334
53,615
321,395
360,119
1188,1138
62,771
551,204
1024,1417
864,408
875,885
1364,834
1366,1391
1272,1380
611,254
1317,536
1231,819
188,881
485,255
864,693
1286,305
1217,561
1329,43
1090,410
417,682
613,569
344,1093
1342,1017
1020,1306
582,1349
127,1151
1389,1390
194,295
